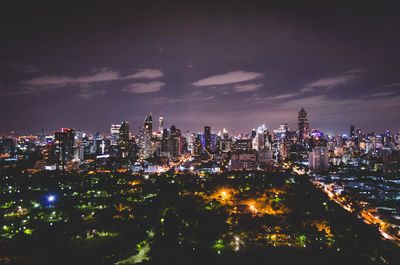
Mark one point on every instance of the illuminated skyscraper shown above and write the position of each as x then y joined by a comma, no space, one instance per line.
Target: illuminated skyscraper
64,143
124,132
259,140
148,124
161,123
304,126
318,159
42,136
352,132
79,152
115,128
197,148
207,139
174,147
146,147
123,140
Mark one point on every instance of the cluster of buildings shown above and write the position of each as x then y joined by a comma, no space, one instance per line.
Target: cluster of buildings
158,145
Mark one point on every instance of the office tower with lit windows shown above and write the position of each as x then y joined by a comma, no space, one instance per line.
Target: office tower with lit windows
352,131
224,145
99,144
42,136
197,147
148,124
114,131
242,145
260,140
189,140
161,123
207,139
123,141
79,152
304,126
64,145
318,159
79,135
174,146
146,137
124,132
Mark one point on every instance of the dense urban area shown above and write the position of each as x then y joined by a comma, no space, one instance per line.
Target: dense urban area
168,196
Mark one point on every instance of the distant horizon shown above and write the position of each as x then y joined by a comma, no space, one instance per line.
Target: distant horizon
214,129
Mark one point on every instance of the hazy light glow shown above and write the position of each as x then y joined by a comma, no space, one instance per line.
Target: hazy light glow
51,198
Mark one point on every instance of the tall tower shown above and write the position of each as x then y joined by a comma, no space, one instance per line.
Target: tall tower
147,135
64,142
352,131
114,130
42,136
207,138
304,126
161,123
124,132
148,124
123,139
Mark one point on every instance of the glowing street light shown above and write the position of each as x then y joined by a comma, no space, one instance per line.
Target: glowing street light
51,198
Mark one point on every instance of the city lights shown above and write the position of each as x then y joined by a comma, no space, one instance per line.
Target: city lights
51,198
200,132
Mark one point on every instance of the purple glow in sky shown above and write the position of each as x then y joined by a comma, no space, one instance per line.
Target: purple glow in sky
232,65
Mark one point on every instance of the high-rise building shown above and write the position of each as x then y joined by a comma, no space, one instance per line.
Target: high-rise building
79,154
148,124
99,144
304,126
243,161
174,146
124,132
352,131
79,135
64,145
264,156
42,136
260,140
161,123
318,159
253,133
242,145
146,138
123,140
207,139
197,147
224,145
114,131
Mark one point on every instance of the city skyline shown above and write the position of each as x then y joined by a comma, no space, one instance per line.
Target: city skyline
235,66
160,123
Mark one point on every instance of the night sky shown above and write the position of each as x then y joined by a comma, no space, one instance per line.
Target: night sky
233,64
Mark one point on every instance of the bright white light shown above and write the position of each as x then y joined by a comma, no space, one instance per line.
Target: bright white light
51,198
